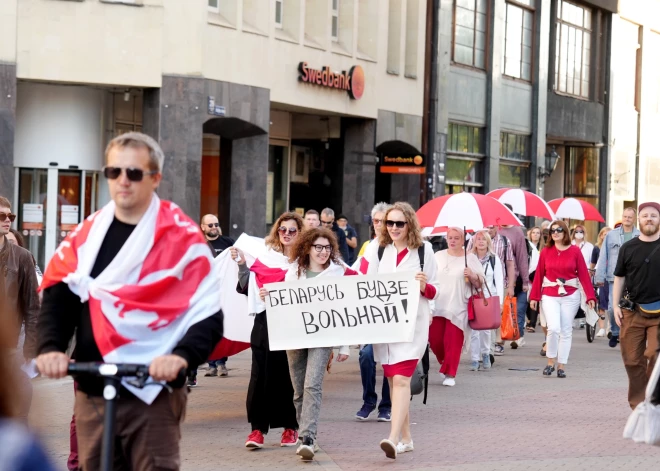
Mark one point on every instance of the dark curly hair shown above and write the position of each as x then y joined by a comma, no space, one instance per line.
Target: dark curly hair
303,247
273,239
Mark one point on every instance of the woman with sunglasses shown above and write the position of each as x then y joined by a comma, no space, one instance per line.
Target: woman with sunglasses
397,249
315,254
270,392
450,321
560,276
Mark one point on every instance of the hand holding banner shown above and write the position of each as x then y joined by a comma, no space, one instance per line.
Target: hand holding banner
334,311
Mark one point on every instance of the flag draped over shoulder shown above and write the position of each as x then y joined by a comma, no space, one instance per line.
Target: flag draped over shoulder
161,282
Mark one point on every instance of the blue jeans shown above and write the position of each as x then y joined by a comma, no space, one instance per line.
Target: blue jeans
216,363
610,312
521,300
368,373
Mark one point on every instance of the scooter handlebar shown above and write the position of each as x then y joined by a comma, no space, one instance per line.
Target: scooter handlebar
119,370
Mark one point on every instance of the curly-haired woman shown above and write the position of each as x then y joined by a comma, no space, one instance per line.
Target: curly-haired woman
398,249
315,254
270,393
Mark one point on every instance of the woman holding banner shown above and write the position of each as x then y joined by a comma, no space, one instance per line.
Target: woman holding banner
456,272
315,254
401,248
270,393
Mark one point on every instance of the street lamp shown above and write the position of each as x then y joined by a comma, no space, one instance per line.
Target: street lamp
551,159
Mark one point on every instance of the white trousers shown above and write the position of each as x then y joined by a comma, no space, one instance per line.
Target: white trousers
479,344
559,314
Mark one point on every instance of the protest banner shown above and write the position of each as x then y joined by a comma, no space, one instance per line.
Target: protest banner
335,311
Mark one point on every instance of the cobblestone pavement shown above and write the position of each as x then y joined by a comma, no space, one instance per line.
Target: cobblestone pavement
504,419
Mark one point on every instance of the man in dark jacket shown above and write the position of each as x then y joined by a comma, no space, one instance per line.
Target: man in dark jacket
18,289
328,221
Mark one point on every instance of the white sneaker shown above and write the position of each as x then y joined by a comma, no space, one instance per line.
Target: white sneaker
441,375
521,342
449,382
404,447
601,333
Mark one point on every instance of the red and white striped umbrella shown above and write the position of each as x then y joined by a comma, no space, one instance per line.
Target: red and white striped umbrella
572,208
469,210
523,202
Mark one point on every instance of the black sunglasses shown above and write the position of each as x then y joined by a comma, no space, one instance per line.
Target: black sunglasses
283,230
5,216
320,248
133,174
327,223
398,224
557,230
579,232
214,225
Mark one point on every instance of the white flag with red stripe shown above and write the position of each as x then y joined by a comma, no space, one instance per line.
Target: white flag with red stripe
161,282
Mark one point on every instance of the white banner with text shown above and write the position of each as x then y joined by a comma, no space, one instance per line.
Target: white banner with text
336,311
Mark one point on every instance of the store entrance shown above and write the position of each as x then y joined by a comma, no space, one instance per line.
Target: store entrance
51,204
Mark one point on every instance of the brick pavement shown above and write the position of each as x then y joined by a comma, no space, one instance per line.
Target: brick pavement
497,420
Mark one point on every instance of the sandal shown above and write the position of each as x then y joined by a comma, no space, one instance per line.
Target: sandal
543,349
531,330
561,373
548,370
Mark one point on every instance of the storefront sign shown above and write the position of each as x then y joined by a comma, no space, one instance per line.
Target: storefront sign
351,81
33,216
213,109
403,164
351,310
68,217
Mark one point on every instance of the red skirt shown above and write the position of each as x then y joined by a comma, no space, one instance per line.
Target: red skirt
403,368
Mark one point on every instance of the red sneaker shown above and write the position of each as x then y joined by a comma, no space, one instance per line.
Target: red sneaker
289,437
255,439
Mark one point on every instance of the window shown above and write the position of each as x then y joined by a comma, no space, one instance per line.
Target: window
515,161
573,49
214,6
279,5
518,40
465,154
582,180
334,28
470,19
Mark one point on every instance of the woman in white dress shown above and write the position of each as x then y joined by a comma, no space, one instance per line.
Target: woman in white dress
450,317
580,240
400,248
494,278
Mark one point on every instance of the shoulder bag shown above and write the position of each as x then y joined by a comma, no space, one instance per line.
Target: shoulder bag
483,312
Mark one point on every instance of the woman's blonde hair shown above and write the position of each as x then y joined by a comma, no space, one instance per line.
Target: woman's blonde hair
415,240
489,243
603,231
579,226
273,239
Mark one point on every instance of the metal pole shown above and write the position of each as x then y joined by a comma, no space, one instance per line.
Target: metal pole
109,415
432,123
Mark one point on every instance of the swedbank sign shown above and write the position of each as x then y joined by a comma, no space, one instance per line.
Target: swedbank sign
351,81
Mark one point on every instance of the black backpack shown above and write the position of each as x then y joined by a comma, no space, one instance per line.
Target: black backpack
420,380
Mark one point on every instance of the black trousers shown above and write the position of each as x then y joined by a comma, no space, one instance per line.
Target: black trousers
270,393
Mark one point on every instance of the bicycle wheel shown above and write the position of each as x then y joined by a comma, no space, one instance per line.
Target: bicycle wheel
591,332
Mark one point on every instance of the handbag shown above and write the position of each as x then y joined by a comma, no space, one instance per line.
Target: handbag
483,312
509,326
643,425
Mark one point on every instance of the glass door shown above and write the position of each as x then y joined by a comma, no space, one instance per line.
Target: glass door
33,186
52,203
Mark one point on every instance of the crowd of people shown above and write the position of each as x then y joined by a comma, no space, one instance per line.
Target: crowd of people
552,272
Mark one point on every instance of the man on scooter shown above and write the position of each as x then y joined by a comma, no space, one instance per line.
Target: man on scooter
136,282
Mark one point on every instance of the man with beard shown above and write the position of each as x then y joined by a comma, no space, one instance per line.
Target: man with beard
638,314
218,243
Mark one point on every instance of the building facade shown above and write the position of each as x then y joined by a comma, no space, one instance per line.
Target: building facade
635,92
260,105
519,79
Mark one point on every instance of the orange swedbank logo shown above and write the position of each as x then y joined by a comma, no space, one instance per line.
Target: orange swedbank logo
351,81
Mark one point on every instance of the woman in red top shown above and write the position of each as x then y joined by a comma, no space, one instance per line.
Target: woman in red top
560,272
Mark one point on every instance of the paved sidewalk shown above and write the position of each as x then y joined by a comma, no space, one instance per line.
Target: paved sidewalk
497,420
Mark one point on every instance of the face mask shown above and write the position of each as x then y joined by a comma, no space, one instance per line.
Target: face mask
579,235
